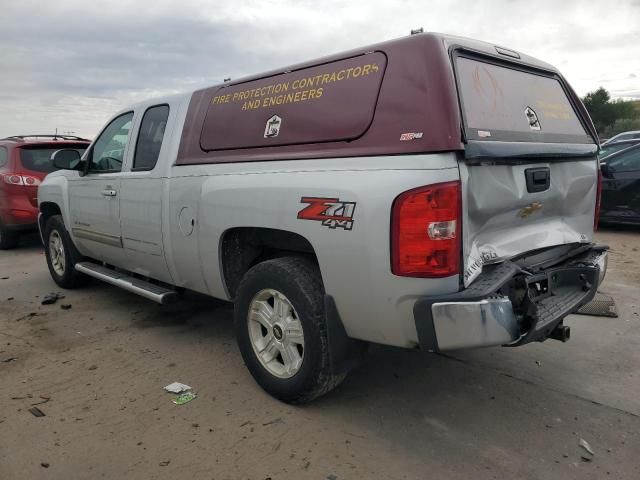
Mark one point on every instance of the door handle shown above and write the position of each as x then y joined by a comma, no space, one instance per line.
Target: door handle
109,193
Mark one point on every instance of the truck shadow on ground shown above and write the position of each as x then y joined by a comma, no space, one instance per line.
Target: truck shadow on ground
191,311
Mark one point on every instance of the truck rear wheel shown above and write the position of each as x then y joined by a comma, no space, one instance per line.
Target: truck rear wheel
61,254
281,329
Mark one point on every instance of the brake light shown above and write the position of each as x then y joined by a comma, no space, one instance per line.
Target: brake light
596,216
28,180
425,231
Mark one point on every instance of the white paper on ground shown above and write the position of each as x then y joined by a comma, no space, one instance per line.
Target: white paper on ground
177,387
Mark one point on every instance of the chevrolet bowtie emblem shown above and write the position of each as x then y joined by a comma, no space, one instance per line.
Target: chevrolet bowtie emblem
529,209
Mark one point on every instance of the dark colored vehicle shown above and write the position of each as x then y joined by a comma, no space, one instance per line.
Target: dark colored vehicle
631,135
24,162
607,149
620,201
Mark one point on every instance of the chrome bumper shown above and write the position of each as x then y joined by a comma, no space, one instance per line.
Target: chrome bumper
475,324
603,262
483,314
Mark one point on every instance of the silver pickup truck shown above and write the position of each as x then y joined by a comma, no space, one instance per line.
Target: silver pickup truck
430,191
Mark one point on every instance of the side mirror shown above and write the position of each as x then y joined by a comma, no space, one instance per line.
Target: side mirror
606,170
66,159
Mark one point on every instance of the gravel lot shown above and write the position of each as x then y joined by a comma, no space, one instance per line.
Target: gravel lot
98,370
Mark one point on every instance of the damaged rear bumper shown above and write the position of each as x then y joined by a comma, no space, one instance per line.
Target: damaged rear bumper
511,303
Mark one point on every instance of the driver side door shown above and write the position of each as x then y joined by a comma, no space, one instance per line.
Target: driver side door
621,187
94,199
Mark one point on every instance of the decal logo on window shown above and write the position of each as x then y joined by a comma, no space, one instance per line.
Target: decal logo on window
272,128
330,211
532,118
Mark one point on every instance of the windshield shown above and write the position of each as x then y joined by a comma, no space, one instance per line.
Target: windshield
38,159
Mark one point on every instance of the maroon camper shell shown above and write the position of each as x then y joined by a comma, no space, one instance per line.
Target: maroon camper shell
420,94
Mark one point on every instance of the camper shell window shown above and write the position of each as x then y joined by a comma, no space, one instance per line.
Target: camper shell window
335,101
507,102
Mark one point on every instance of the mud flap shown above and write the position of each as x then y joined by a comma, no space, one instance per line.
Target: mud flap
345,352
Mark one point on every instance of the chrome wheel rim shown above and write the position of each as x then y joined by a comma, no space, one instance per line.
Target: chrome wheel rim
56,253
276,333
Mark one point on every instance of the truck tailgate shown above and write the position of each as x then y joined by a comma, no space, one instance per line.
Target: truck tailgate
502,219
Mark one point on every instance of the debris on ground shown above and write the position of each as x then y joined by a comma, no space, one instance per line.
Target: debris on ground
177,387
273,422
44,465
36,412
590,453
10,359
51,298
584,444
92,367
45,399
65,306
28,315
184,398
602,305
165,463
16,397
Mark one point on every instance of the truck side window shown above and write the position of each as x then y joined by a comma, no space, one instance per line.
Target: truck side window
150,137
627,162
108,152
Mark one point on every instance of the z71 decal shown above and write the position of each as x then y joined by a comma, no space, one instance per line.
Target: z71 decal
330,211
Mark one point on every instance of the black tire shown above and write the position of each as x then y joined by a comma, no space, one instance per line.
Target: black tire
69,277
300,281
8,239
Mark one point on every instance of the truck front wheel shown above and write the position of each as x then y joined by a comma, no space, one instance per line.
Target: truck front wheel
281,329
61,254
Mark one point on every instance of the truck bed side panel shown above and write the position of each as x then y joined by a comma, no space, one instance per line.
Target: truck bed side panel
354,263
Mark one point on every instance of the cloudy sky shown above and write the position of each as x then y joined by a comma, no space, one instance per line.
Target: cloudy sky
71,64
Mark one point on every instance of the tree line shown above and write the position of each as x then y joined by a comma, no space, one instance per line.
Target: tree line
611,117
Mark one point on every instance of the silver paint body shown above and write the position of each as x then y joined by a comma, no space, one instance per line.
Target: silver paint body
167,223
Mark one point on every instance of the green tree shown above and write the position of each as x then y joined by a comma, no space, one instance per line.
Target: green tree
610,117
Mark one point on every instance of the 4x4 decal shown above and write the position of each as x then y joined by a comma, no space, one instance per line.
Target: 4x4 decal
330,211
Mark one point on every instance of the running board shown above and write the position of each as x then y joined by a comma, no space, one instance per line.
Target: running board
145,289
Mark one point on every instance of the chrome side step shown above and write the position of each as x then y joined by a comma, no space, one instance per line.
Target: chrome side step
145,289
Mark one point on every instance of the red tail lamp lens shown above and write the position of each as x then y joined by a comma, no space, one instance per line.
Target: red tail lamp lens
425,226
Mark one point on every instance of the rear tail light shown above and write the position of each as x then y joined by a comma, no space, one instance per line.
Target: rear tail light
425,231
13,179
596,216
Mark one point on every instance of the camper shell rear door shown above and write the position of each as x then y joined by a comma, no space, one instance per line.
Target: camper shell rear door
529,168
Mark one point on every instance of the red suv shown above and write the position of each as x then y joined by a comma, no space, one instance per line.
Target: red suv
24,162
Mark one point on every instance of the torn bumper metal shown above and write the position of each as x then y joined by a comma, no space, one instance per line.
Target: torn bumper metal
511,303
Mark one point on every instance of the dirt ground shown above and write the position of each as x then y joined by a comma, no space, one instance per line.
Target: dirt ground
98,370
